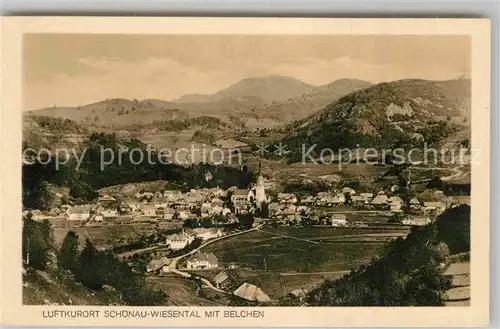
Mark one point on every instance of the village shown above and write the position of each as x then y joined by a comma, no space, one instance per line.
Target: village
199,217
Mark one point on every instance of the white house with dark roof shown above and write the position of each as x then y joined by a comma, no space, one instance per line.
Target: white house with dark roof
179,241
202,261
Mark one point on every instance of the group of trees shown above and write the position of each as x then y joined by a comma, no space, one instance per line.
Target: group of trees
96,268
56,125
38,242
409,271
92,267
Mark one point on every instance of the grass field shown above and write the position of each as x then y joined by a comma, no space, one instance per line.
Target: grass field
296,253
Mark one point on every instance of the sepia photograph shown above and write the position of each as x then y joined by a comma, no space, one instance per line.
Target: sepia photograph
251,171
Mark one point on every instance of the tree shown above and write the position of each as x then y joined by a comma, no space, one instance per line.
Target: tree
36,244
89,271
68,255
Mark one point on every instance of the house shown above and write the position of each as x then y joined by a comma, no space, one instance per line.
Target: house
158,263
105,199
416,221
208,233
339,220
109,213
55,212
172,195
434,206
179,241
148,210
380,199
366,196
324,198
395,203
289,212
287,198
357,198
168,213
98,218
78,213
339,198
241,195
415,204
202,261
224,280
308,200
251,292
217,202
348,190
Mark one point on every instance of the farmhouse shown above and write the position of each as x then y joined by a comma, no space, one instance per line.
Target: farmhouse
202,261
156,264
224,280
251,292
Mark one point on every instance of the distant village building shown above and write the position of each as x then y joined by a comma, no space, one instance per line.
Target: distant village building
148,210
416,221
105,199
172,195
348,190
395,203
366,196
309,200
202,261
380,199
251,292
287,198
434,206
78,213
208,233
339,220
415,204
168,213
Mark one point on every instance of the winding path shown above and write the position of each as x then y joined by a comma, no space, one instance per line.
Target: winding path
172,267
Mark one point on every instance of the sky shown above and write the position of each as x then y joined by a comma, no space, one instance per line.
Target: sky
79,69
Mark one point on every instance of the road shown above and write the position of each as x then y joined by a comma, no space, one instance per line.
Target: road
172,267
289,237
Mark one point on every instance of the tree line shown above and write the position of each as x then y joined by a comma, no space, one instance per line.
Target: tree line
89,177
